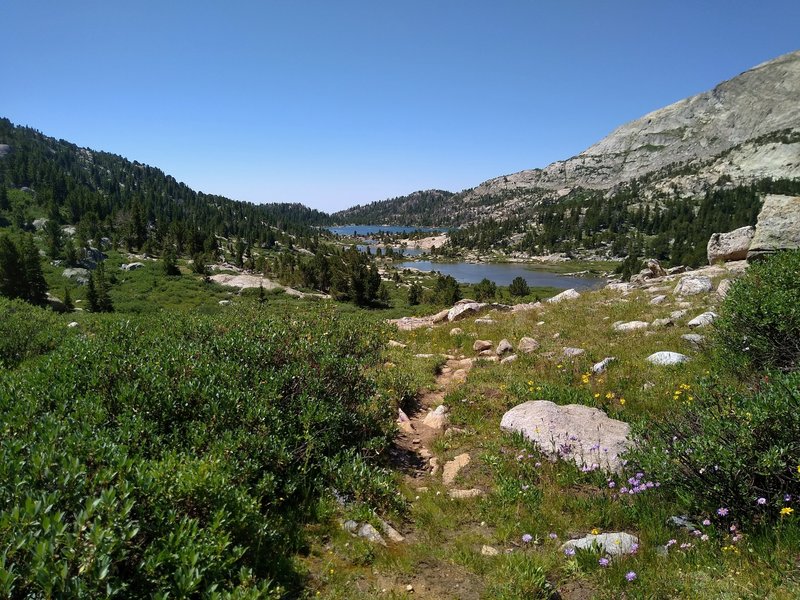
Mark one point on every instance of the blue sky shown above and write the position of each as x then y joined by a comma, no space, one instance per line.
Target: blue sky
334,103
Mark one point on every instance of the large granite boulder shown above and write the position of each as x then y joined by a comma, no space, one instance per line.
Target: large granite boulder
611,544
584,435
463,309
730,246
778,226
667,359
689,285
569,294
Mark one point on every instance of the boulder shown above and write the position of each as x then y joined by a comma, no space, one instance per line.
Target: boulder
508,359
569,294
581,434
658,300
666,359
464,309
81,276
456,331
703,319
489,550
485,321
730,246
631,326
691,285
695,339
131,266
723,287
777,228
437,418
527,345
662,323
655,268
573,352
503,347
611,544
481,345
677,270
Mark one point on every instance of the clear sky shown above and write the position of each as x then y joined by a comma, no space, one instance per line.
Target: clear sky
337,102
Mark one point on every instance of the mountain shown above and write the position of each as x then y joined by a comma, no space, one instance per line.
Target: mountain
744,131
418,208
108,195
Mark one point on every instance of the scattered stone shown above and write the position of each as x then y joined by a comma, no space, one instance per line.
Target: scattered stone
663,323
619,286
655,268
569,294
682,523
723,287
677,270
456,331
691,285
81,276
503,347
556,335
676,315
581,434
703,320
466,494
777,227
489,357
434,464
481,345
391,532
72,324
528,345
631,326
730,246
666,359
573,352
489,550
508,359
485,321
131,266
601,367
224,302
459,376
452,467
695,339
409,588
424,355
437,418
658,300
394,344
350,526
612,544
485,353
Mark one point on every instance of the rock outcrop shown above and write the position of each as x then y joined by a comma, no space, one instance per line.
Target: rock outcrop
730,246
778,226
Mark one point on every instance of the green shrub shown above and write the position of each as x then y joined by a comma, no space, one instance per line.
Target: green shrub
177,455
519,287
759,324
26,331
729,448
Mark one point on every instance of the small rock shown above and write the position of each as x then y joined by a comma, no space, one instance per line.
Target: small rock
391,532
631,326
613,544
481,345
489,357
485,321
508,359
485,353
394,344
503,347
570,294
437,418
452,467
224,302
658,300
73,324
663,323
666,359
409,588
677,270
600,367
691,285
425,355
573,352
695,339
489,550
350,526
556,335
682,523
434,463
676,315
703,320
527,345
456,331
466,494
723,287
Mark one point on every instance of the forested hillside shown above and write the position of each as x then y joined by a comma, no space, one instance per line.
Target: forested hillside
106,195
423,208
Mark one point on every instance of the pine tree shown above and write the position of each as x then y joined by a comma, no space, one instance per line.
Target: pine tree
170,263
414,294
97,291
519,287
262,297
5,204
12,273
68,304
35,285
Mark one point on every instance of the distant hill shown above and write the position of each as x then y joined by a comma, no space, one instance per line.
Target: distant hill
107,194
418,208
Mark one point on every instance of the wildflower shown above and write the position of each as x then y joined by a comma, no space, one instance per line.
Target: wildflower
704,537
630,575
527,538
612,484
722,512
786,510
736,538
634,548
622,401
671,543
761,501
706,522
569,551
553,536
787,498
595,531
597,394
603,562
685,546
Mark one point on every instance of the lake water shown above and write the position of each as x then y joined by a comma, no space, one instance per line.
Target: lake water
370,229
503,274
406,251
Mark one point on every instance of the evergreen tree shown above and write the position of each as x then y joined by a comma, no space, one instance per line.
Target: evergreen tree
35,285
5,204
262,297
485,290
12,273
414,294
68,304
53,237
170,263
97,292
519,287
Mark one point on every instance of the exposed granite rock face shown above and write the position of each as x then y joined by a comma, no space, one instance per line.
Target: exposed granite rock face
778,226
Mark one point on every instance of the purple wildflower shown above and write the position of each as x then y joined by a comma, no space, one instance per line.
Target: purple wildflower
630,575
761,501
706,522
569,551
722,512
787,498
603,562
527,538
553,536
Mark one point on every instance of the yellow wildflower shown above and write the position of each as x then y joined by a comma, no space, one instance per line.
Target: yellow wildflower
622,401
786,510
595,531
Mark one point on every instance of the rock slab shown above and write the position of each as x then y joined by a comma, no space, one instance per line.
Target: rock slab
667,359
584,435
777,228
730,246
611,544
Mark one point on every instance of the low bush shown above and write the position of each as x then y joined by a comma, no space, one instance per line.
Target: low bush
175,455
759,324
26,331
732,450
